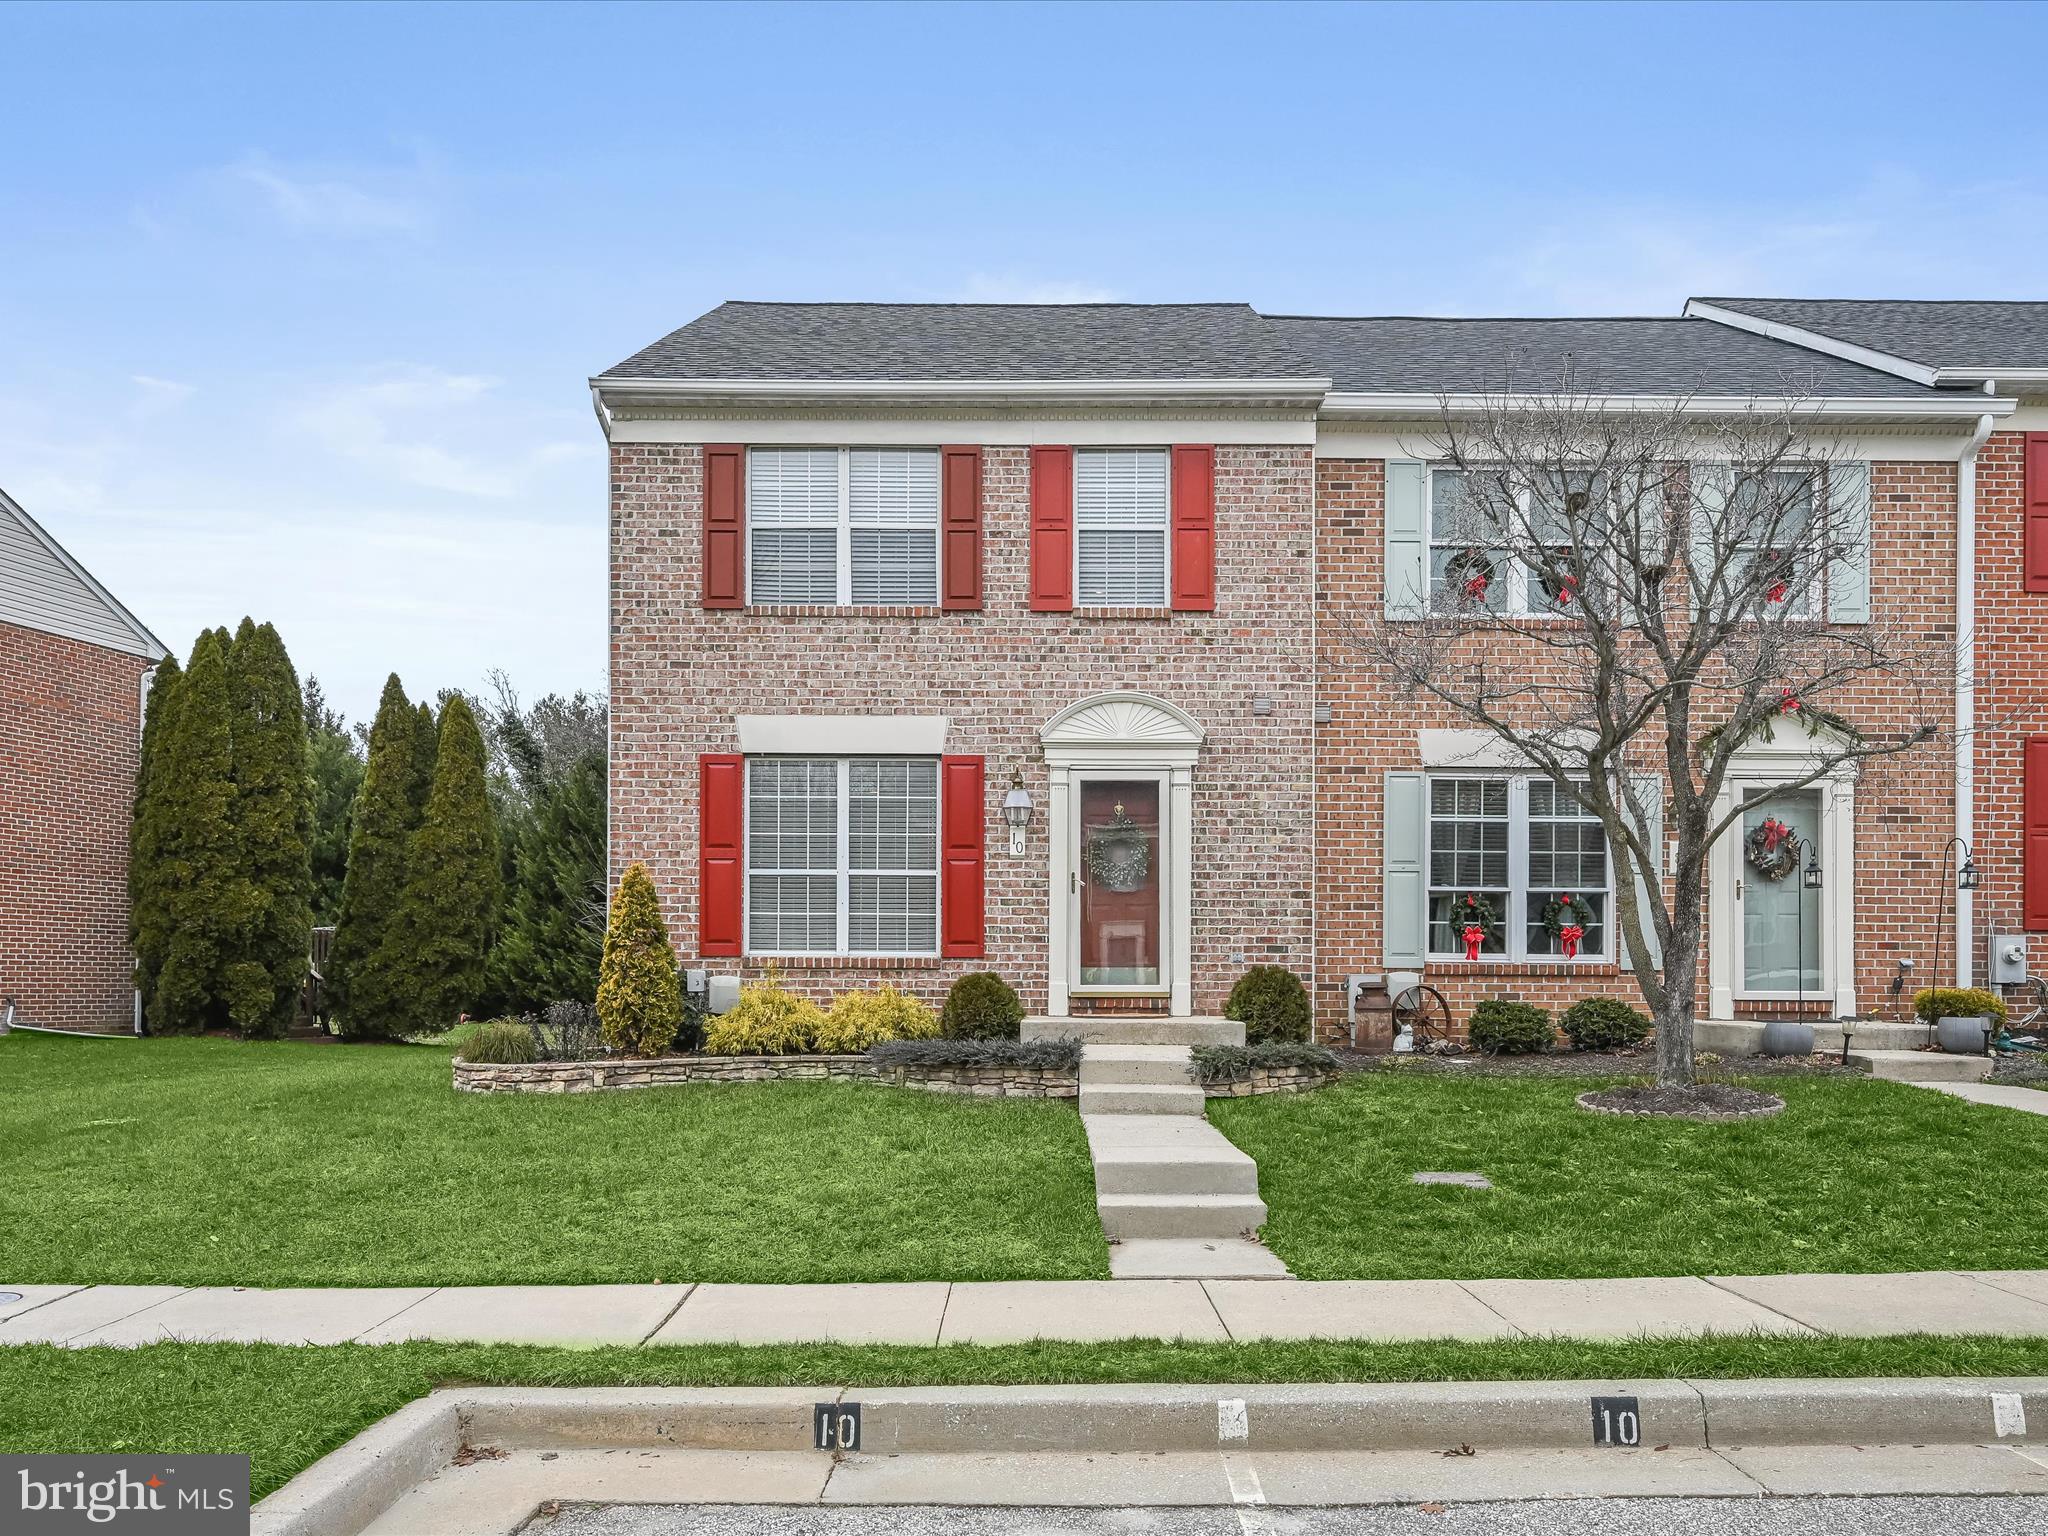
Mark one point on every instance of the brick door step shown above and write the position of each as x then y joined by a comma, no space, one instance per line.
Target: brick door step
1924,1066
1135,1029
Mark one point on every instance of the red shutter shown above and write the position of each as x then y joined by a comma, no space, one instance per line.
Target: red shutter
725,527
2034,835
1194,527
1052,529
2035,516
721,820
960,528
962,815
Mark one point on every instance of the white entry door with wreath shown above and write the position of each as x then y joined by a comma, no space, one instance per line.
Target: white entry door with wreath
1121,890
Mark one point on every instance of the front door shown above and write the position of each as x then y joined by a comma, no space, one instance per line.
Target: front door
1780,916
1119,879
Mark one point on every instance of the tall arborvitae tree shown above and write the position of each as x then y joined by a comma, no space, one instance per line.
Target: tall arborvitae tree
426,755
369,999
452,880
266,969
335,764
551,936
149,923
207,900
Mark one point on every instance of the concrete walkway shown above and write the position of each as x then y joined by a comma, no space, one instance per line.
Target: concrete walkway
2031,1101
2013,1302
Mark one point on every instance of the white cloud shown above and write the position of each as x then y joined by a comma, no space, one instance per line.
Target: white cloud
414,425
1013,288
333,201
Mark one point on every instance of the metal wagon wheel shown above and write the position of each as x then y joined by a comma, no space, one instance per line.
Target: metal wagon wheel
1422,1011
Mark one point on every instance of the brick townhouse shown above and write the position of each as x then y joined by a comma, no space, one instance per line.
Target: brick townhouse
74,665
1012,637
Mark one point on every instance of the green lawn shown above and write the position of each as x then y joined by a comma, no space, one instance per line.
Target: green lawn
212,1162
1855,1175
287,1406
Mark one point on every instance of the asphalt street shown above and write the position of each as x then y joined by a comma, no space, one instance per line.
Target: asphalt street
1579,1517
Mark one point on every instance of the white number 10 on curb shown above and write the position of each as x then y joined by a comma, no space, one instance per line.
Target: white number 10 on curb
1617,1421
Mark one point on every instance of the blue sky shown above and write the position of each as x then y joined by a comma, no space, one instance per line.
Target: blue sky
297,305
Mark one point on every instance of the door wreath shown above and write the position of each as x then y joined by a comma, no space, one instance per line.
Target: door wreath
1772,849
1119,855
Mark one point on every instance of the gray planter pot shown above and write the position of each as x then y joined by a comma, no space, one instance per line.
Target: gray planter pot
1961,1036
1784,1037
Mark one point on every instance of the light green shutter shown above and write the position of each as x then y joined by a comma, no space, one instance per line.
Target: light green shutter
1713,485
1649,788
1404,894
1850,524
1407,538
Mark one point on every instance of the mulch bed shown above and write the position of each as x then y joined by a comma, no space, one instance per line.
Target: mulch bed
1704,1101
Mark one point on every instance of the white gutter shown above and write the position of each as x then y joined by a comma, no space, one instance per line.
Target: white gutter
1966,678
971,389
2009,377
1812,341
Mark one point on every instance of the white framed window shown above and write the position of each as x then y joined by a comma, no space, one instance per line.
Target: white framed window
1121,502
843,526
1769,518
1519,845
1471,567
842,855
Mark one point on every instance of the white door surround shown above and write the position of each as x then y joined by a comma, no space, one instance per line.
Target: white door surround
1110,735
1769,763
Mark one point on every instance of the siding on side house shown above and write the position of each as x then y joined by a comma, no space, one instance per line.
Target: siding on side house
41,589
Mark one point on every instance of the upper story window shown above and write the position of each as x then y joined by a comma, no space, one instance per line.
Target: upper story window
1533,858
1770,518
1120,528
843,526
842,855
1478,516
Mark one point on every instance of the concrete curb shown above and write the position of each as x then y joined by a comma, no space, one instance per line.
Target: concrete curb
347,1490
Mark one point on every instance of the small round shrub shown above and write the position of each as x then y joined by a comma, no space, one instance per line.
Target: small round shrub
857,1020
768,1020
1603,1024
1271,1003
1502,1028
1932,1003
501,1041
981,1006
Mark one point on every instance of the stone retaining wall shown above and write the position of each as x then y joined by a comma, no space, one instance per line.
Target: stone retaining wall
629,1072
982,1081
1269,1080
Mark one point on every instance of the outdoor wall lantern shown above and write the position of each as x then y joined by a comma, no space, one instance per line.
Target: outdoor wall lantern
1017,812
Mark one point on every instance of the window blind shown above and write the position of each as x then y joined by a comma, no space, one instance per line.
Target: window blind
1120,524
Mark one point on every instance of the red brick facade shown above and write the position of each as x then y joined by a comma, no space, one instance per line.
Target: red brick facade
67,785
682,673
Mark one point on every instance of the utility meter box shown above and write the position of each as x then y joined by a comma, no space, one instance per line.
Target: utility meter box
722,992
2008,959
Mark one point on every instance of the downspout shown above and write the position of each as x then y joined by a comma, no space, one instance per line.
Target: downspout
1966,679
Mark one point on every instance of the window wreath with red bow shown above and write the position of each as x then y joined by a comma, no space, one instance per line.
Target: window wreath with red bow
1472,915
1565,918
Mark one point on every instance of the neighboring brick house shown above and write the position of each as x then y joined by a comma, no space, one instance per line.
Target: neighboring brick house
73,667
873,565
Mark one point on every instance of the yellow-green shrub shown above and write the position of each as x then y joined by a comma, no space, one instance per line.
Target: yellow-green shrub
768,1020
639,992
858,1020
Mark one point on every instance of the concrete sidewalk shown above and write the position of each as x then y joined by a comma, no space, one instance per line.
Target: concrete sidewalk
2013,1302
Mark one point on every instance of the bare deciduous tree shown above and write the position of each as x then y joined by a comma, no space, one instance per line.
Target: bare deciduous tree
1627,596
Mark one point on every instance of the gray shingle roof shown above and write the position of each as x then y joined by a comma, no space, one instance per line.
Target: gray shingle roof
1941,333
972,341
1623,356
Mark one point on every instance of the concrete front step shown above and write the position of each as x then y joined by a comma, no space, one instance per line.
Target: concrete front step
1159,1066
1135,1029
1744,1037
1924,1066
1158,1171
1199,1258
1130,1216
1141,1099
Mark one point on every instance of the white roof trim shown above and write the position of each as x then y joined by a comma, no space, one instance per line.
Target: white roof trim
1963,407
1814,341
147,644
1024,388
